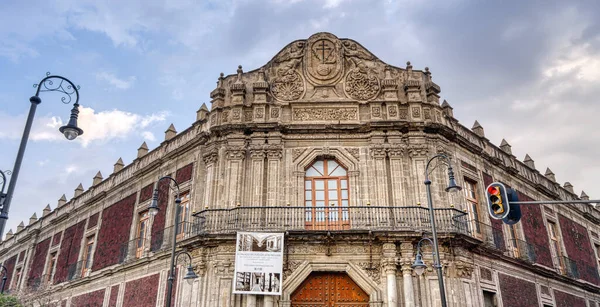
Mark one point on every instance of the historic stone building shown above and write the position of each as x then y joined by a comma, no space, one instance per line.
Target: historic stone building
327,144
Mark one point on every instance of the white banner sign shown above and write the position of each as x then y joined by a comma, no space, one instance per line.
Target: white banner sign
258,263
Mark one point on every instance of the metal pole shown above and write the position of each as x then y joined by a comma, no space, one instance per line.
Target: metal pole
435,244
3,283
172,267
35,100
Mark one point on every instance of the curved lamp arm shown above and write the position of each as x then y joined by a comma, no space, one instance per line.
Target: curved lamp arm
153,209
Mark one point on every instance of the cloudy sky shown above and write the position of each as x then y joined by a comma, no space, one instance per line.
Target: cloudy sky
528,71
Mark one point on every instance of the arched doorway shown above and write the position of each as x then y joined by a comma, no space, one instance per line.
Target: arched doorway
329,289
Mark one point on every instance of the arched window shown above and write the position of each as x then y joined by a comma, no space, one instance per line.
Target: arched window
326,195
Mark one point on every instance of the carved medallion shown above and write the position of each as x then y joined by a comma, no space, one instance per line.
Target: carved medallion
393,110
288,85
361,83
323,60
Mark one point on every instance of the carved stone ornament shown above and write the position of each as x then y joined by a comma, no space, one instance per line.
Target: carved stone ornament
416,112
260,113
275,113
372,269
236,153
288,85
290,267
393,110
403,112
355,152
361,83
322,114
248,115
235,114
213,119
297,152
418,150
224,116
323,59
376,111
210,157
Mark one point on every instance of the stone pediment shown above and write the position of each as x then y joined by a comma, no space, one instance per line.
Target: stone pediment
324,68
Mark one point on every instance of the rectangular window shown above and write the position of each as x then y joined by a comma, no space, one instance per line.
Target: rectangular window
50,269
489,299
183,213
17,279
142,231
597,248
514,240
87,255
473,206
555,247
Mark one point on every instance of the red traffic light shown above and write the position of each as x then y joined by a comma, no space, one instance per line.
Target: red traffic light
493,190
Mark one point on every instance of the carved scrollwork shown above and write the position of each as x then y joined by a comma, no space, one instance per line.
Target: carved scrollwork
355,152
361,83
372,269
393,110
297,152
288,85
321,114
236,153
210,157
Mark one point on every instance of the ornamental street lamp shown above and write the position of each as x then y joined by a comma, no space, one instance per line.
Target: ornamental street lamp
452,187
153,210
4,277
51,83
419,266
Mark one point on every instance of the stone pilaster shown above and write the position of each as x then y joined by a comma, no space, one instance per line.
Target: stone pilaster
388,264
210,160
406,250
257,168
274,155
235,159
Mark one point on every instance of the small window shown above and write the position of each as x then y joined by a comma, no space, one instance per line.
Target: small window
473,206
597,249
50,269
87,255
489,299
183,212
514,240
142,232
555,247
17,279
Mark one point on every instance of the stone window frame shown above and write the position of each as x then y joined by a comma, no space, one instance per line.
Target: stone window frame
86,271
553,219
469,176
188,213
50,275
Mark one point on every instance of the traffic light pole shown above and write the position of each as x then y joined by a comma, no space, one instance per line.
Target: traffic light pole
557,202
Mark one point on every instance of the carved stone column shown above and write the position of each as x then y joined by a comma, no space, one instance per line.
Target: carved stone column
235,157
251,300
274,155
269,301
257,167
210,160
378,153
388,264
406,250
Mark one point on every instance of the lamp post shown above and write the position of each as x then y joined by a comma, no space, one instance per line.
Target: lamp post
4,277
452,187
51,83
153,210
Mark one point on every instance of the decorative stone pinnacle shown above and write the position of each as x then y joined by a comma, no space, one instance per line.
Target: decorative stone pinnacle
550,175
78,190
47,210
239,74
21,226
33,219
170,132
505,147
584,196
9,234
62,200
478,129
261,75
220,80
97,179
118,166
143,150
408,66
568,186
202,112
529,162
445,104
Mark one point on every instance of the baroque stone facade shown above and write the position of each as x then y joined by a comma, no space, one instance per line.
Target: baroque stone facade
324,111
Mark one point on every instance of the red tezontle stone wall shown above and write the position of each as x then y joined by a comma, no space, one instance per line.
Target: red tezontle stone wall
90,299
146,192
56,239
579,249
535,231
93,221
114,294
184,174
114,233
10,267
69,251
158,224
517,292
563,299
38,262
141,292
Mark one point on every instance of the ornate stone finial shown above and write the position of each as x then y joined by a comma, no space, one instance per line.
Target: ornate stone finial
20,227
62,201
218,94
409,66
202,113
550,175
9,235
47,210
584,196
427,73
98,178
118,166
389,85
240,71
505,147
170,132
33,219
478,129
569,187
447,108
143,150
260,87
78,190
529,162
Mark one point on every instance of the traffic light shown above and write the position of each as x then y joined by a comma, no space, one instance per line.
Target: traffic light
499,200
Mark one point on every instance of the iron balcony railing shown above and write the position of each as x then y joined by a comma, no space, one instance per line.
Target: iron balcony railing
373,218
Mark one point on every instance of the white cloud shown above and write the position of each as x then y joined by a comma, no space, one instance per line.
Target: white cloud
97,126
113,80
147,135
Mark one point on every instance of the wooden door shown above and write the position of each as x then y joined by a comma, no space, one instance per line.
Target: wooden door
329,289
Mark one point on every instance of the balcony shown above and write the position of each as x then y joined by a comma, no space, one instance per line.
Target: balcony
360,218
